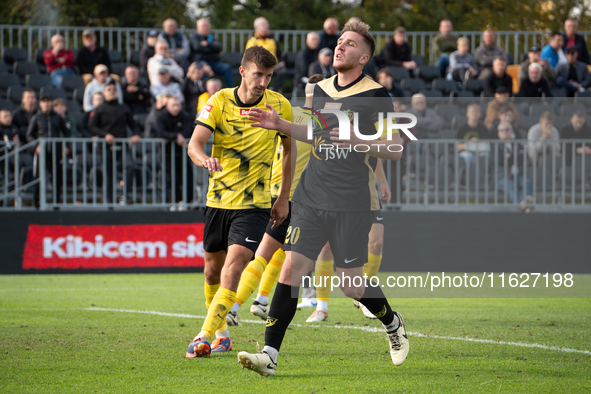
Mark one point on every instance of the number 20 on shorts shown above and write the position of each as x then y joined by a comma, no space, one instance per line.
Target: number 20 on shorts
292,236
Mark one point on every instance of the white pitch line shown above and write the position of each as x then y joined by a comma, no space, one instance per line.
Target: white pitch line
366,329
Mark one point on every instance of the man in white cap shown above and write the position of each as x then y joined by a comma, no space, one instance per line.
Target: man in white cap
101,77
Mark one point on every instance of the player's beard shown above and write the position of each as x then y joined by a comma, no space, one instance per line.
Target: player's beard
344,66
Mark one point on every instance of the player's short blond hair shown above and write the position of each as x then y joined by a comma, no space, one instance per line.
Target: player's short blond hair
362,29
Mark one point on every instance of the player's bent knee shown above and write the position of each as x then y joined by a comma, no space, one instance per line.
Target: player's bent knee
353,292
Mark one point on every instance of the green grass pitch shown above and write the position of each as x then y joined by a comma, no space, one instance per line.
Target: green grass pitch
85,333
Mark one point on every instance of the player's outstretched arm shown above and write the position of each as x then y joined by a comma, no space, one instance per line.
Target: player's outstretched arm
382,149
198,140
270,120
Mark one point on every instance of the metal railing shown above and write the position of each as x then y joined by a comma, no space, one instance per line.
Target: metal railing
126,40
155,174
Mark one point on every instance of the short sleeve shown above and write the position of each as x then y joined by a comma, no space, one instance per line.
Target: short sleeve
285,112
211,113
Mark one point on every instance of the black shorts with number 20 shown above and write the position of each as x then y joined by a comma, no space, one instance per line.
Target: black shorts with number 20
346,232
225,227
278,233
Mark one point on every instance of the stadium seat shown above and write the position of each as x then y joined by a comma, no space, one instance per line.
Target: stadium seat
39,60
37,81
79,119
115,56
569,109
6,81
447,111
7,104
419,60
233,59
134,58
445,86
414,85
78,95
513,72
140,119
52,92
476,86
118,68
458,120
11,55
431,93
73,106
462,94
559,93
399,73
525,122
446,134
70,83
3,68
582,97
24,68
428,73
15,94
537,109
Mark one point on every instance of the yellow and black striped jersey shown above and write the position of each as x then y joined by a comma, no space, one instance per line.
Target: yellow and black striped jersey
246,153
341,179
299,116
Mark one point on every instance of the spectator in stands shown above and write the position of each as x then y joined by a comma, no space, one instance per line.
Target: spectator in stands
97,99
574,76
47,124
8,131
535,84
473,130
577,129
135,93
162,59
512,154
193,87
570,38
305,57
90,56
543,137
60,108
176,126
397,52
212,86
553,51
166,86
428,122
97,85
500,109
385,78
206,49
329,35
444,44
533,56
261,38
150,124
21,117
498,78
147,51
323,65
178,44
59,61
486,53
110,121
462,63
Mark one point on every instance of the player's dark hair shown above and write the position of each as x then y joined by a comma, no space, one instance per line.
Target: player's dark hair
259,56
316,78
362,29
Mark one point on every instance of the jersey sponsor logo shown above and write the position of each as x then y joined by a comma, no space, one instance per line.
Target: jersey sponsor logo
245,112
336,106
350,261
206,111
250,240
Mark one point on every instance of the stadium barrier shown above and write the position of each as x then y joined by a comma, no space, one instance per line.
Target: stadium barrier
125,40
156,174
137,241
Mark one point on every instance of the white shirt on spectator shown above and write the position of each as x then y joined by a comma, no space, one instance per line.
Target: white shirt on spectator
173,88
158,62
96,87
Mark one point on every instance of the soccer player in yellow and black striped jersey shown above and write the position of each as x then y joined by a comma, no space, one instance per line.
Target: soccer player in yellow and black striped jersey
336,198
269,257
238,199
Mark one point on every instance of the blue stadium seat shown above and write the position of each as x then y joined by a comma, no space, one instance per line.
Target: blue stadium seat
37,81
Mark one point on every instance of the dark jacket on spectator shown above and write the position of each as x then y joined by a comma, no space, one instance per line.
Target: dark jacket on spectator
168,126
87,60
581,70
319,68
150,125
581,46
145,54
493,82
7,132
303,59
328,41
49,125
192,90
209,53
568,133
112,118
21,119
132,99
499,153
529,89
394,55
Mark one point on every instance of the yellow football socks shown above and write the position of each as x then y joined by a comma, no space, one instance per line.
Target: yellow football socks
323,272
271,274
372,266
250,279
216,315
